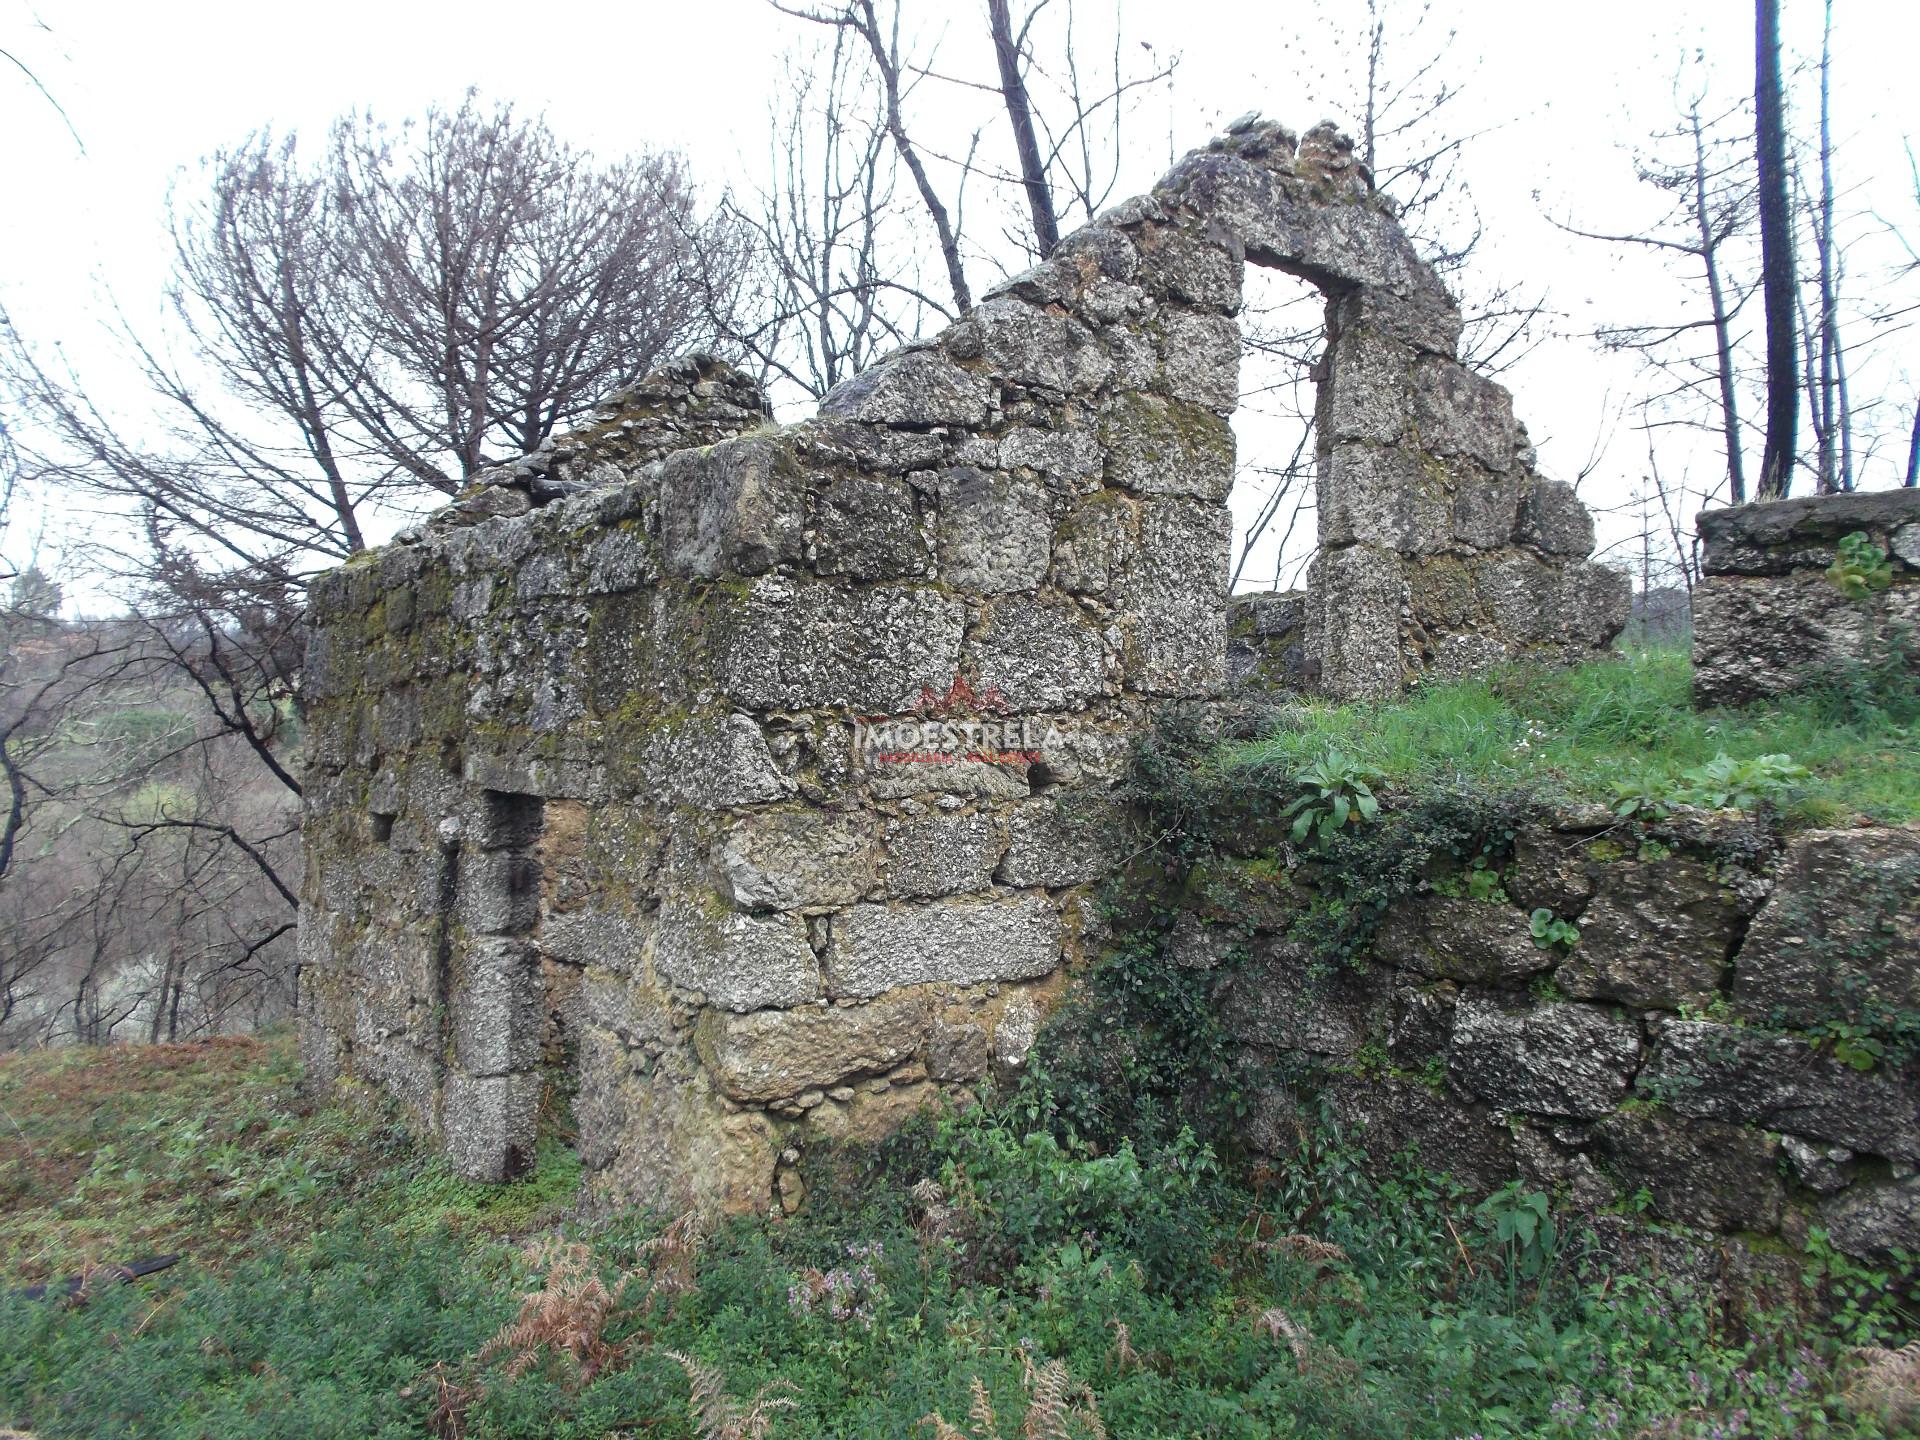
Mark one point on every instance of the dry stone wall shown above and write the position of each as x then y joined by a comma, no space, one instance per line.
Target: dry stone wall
1769,610
1735,1031
748,783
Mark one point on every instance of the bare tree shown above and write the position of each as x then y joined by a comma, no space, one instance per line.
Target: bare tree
1829,407
813,275
367,331
505,280
1913,451
9,53
852,197
29,676
862,19
1069,110
150,867
1007,52
362,330
1707,224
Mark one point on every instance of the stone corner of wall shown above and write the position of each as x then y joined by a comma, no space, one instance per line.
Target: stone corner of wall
1770,610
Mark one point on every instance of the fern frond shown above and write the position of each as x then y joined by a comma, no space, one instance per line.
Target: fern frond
1306,1247
672,1255
1276,1324
1885,1383
980,1411
1047,1395
716,1415
568,1315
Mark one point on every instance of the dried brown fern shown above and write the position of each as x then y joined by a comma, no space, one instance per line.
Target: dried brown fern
936,1217
1046,1401
672,1256
1884,1383
926,1193
452,1399
1310,1356
1054,1400
716,1415
567,1315
980,1410
1125,1357
1276,1324
1304,1247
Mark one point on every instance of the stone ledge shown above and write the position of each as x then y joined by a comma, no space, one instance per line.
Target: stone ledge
1734,534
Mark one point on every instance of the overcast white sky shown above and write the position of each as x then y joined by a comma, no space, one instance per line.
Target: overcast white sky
151,89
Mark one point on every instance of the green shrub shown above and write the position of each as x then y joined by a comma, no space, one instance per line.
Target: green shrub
1879,691
1724,783
1360,874
1138,1053
303,1346
1169,1296
1337,794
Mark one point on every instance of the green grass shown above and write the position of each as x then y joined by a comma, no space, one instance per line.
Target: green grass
1320,1303
1626,721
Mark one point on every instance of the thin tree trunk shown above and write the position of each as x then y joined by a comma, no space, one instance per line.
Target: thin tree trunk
1776,257
1646,571
312,419
1013,89
1376,42
1815,374
1846,413
1722,322
1834,472
889,69
17,799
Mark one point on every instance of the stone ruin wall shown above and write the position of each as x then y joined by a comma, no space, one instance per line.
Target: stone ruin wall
1682,1046
1766,614
586,816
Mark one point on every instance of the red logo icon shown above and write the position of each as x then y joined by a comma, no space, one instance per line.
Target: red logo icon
961,699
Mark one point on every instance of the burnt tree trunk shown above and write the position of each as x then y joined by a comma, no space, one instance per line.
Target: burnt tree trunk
1776,257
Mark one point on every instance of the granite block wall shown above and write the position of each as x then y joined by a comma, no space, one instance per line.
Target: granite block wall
745,785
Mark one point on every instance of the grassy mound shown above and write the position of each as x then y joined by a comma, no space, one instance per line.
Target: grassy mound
1626,727
111,1154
